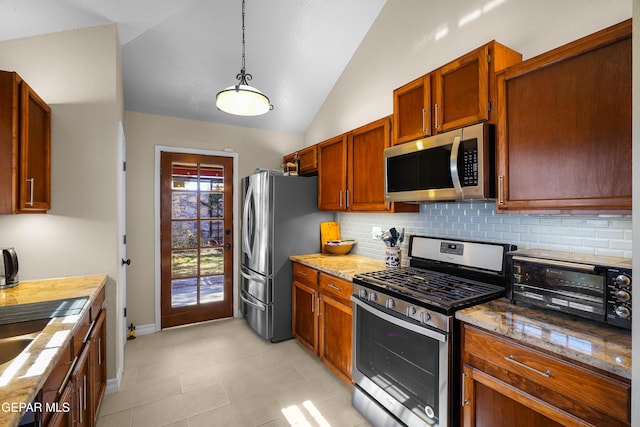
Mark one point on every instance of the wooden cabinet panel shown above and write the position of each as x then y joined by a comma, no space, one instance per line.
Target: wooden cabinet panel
53,387
304,317
412,110
335,286
81,383
548,385
332,174
308,160
98,361
63,417
564,134
335,336
25,148
305,274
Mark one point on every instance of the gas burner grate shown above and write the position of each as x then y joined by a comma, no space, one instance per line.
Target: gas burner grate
430,286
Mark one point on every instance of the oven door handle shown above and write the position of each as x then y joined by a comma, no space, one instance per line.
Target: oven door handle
422,330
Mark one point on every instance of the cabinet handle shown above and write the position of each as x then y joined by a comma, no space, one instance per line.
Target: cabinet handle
340,198
500,189
437,108
313,303
347,199
99,351
30,181
332,286
464,399
302,273
86,337
66,377
424,122
80,404
511,359
84,391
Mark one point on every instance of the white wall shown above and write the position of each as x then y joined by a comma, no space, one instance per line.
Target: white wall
255,148
76,73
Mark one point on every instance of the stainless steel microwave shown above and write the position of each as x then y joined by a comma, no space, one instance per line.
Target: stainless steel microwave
455,165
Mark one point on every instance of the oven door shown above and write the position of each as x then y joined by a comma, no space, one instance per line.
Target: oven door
400,366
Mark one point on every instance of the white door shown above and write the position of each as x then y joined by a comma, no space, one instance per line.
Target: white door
122,233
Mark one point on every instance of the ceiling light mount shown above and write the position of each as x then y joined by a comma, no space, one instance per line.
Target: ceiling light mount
243,99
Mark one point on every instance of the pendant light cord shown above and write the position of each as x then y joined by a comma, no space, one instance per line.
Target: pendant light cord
243,77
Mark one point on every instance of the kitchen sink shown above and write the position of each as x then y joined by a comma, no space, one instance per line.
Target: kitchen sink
41,310
11,330
12,347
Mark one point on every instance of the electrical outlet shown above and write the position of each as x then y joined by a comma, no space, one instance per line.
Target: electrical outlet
376,233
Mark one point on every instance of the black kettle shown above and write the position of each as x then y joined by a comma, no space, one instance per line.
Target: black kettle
9,272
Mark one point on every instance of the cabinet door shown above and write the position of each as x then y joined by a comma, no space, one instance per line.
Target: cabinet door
35,152
462,91
564,135
54,383
308,160
63,416
490,402
335,336
304,317
98,373
81,383
366,166
412,110
332,174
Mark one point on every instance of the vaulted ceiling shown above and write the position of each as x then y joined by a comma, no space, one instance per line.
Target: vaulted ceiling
177,55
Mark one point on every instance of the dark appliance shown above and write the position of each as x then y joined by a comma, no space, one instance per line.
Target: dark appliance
406,342
9,271
280,218
592,287
454,165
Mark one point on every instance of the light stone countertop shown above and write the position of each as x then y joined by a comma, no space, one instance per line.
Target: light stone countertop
345,266
604,347
22,386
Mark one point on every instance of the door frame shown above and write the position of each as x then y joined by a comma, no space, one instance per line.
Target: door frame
156,234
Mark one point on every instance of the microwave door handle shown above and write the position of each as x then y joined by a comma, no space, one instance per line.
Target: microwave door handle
453,165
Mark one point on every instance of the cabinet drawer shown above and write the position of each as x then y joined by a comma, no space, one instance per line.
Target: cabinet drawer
97,305
556,380
82,334
304,274
336,286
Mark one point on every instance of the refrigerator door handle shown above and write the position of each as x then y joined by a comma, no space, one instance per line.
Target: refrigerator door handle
246,244
259,306
254,277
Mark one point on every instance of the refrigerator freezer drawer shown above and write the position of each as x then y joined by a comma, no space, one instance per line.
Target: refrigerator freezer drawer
256,285
258,315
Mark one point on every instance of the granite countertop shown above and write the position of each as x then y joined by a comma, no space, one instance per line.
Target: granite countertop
345,266
20,386
601,346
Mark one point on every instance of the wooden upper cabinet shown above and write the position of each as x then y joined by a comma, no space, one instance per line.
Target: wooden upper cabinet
332,174
307,160
412,110
457,94
564,134
351,171
25,148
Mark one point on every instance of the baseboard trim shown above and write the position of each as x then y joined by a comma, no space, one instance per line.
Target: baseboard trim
146,329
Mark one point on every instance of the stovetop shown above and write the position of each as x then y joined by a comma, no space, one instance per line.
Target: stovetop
430,288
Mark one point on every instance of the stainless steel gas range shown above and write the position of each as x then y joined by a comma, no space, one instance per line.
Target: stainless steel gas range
406,355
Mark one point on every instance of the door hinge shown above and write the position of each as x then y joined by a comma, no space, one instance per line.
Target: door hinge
125,312
489,58
490,106
124,166
124,239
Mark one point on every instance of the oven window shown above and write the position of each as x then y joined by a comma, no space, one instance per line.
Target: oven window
402,362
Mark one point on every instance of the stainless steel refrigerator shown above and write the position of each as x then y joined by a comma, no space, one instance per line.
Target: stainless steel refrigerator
280,218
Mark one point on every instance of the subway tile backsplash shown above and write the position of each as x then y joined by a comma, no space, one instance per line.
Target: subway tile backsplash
608,235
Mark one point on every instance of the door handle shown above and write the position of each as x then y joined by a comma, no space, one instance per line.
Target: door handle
126,261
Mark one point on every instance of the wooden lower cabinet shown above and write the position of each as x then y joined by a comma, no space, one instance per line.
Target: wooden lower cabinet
81,408
63,417
98,363
506,383
322,317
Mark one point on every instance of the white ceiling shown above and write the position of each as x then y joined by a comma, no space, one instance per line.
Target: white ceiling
177,55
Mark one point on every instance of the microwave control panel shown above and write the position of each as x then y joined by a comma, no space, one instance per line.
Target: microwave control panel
469,167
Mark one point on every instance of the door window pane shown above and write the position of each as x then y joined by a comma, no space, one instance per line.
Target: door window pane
184,234
211,205
184,292
211,288
183,205
211,261
184,263
211,233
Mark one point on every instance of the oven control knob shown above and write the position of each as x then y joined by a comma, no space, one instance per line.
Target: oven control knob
373,296
426,317
362,293
622,280
391,303
623,312
623,296
411,310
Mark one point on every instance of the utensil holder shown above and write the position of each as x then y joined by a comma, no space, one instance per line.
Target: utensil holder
392,256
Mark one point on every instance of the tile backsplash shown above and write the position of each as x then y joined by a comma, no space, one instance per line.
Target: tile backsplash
608,235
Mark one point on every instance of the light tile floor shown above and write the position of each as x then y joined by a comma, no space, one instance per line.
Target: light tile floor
222,374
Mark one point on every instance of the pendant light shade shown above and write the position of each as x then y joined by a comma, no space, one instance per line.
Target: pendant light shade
242,99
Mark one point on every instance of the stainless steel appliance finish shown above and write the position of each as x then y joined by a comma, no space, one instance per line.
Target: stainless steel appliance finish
406,365
594,287
455,165
279,218
9,271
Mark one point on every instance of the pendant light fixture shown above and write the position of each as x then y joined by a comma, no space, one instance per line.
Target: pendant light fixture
242,99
